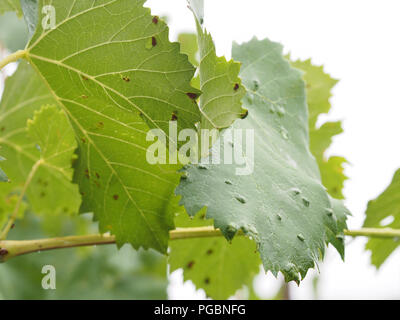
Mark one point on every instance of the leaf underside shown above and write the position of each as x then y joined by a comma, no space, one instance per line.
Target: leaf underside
319,86
288,212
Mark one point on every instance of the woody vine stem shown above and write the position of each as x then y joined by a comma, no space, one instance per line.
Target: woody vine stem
11,248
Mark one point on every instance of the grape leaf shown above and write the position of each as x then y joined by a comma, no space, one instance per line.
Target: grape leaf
10,5
212,263
319,86
222,91
282,205
189,46
385,206
120,77
41,156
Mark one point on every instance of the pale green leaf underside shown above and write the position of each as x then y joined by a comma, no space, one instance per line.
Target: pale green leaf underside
116,75
319,86
24,94
385,206
282,205
212,263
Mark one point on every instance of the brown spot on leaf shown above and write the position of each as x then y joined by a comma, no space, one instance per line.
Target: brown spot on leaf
210,252
207,280
174,117
115,197
3,252
236,87
83,140
97,175
84,78
153,41
191,95
126,79
100,125
155,19
84,96
87,175
244,115
190,265
2,129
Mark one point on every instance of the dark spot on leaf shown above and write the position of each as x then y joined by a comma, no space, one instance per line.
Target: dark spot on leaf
13,226
100,125
83,140
207,280
84,96
236,87
115,197
210,252
244,115
153,41
42,194
87,175
3,252
155,19
203,216
240,198
2,129
300,237
126,79
256,85
97,176
174,117
192,96
190,265
84,78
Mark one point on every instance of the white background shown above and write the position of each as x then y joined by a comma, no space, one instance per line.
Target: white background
358,42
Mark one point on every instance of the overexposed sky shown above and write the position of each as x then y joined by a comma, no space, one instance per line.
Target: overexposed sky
358,42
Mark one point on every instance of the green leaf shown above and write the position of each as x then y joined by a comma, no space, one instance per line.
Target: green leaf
121,77
212,263
282,205
38,158
319,86
189,46
221,87
10,5
386,206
